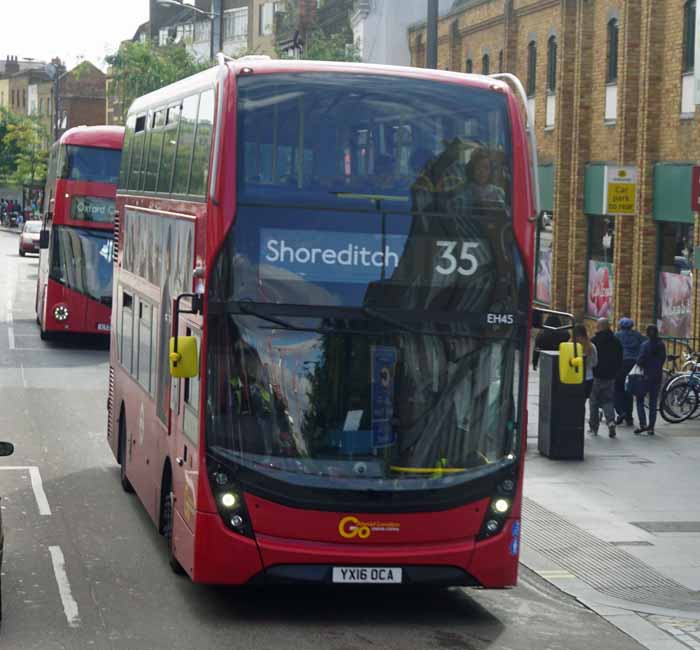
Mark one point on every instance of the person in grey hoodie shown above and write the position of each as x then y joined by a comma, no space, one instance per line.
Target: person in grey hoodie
631,341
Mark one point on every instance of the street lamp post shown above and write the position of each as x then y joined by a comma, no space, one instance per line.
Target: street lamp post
214,15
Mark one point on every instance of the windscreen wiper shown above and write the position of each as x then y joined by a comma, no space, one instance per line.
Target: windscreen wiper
374,313
271,319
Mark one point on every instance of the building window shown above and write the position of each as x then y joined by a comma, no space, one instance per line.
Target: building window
267,17
485,63
613,34
419,61
545,240
184,33
531,68
163,36
12,97
455,46
470,66
675,281
236,24
552,64
601,270
689,36
202,31
500,61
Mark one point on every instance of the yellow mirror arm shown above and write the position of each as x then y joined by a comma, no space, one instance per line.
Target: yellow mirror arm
175,357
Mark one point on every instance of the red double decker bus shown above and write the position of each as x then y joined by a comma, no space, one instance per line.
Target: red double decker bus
74,286
320,333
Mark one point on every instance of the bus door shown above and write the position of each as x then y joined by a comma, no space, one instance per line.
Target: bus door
184,429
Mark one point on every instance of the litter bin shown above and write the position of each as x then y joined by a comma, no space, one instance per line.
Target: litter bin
562,413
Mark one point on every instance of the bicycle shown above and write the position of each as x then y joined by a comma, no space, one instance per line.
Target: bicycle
680,397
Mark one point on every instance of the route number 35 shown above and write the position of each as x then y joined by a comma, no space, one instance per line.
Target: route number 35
467,264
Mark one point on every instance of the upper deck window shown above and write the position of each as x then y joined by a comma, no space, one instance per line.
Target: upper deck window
317,137
92,164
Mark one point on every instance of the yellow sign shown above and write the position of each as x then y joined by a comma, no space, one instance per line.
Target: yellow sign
620,190
622,198
351,527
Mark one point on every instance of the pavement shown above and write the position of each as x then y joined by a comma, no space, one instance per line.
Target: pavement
620,530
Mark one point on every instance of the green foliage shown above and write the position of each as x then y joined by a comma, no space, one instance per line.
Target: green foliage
139,68
330,47
23,149
8,149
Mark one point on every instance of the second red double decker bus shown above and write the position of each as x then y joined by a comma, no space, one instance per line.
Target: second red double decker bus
74,288
321,322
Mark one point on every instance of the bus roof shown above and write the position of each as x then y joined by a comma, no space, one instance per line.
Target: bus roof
107,137
261,65
173,92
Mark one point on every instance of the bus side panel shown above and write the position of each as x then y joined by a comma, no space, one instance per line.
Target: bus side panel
223,557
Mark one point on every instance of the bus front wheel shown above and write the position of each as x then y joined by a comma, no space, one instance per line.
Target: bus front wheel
126,483
167,514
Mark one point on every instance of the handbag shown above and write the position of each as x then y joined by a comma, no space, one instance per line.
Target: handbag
636,382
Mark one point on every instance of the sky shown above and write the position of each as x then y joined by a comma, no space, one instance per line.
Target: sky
74,30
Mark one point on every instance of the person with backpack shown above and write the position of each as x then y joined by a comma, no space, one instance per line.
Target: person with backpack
609,363
652,357
631,341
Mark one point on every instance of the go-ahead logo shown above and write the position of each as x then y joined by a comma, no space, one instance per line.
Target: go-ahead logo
351,527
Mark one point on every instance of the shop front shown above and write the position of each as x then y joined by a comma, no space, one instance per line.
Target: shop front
674,220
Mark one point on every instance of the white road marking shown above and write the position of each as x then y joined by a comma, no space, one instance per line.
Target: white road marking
38,487
24,379
70,607
11,337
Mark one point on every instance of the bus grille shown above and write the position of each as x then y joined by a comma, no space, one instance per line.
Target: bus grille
110,402
115,245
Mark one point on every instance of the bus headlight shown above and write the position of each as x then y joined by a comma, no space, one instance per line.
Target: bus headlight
229,500
500,506
60,313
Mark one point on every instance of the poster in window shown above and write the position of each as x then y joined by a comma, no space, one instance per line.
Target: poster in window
600,289
675,295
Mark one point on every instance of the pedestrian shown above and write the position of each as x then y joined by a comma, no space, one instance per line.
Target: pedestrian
548,339
603,391
631,341
652,357
590,355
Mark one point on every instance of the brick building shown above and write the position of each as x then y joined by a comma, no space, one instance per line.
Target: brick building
81,97
611,84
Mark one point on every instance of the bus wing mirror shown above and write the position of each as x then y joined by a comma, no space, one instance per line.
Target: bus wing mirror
571,363
184,362
44,239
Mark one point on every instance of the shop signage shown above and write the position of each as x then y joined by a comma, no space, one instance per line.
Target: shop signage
695,191
620,190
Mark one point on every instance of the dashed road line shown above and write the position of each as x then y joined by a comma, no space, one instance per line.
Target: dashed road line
38,487
70,607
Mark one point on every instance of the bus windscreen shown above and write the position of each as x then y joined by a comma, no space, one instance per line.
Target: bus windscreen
367,307
93,164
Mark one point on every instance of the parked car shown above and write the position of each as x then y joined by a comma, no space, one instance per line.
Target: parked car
29,238
6,448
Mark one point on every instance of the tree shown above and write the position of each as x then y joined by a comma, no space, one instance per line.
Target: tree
323,35
330,47
8,148
139,68
28,136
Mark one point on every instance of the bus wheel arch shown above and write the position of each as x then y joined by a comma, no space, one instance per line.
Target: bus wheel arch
121,450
